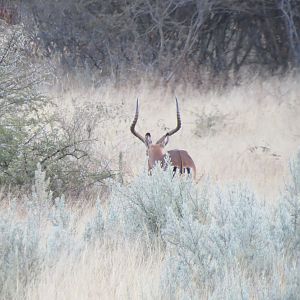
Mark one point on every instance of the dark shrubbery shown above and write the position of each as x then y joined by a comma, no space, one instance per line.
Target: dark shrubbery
177,39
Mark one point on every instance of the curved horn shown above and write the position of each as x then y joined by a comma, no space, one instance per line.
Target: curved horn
171,132
132,127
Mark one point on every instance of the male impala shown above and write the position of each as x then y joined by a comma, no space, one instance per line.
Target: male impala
179,158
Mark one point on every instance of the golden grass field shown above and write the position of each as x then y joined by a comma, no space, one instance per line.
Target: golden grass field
244,134
117,271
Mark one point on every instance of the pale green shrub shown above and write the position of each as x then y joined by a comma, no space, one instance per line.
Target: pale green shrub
33,131
20,239
94,229
215,238
140,208
23,250
288,213
20,255
237,234
219,243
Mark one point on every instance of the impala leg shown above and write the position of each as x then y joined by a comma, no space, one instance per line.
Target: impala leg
188,171
174,171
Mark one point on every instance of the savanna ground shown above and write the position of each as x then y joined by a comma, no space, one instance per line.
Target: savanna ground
80,218
246,133
243,135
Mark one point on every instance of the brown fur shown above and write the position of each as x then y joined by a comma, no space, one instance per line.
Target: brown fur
179,158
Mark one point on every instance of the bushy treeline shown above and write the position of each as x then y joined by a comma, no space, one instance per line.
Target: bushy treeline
219,243
33,131
177,39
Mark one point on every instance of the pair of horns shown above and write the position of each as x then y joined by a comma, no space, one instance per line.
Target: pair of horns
171,132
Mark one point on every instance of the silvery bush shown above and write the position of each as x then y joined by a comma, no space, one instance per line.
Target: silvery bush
140,208
219,242
25,243
215,238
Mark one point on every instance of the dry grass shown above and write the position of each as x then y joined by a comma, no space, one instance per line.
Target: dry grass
246,133
107,271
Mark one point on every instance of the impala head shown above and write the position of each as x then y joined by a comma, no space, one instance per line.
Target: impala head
155,151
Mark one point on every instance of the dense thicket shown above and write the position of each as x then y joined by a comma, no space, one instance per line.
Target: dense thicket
176,38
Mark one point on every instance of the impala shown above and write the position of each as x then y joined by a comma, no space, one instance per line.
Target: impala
179,158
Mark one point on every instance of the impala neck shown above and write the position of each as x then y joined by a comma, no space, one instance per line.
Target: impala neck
155,154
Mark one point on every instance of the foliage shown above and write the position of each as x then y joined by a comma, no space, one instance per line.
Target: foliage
25,243
179,40
218,243
19,104
209,124
30,134
214,238
20,253
142,205
20,239
288,214
95,227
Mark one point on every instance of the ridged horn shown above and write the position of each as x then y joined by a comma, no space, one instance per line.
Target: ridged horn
171,132
132,127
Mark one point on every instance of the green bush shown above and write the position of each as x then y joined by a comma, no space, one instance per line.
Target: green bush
29,133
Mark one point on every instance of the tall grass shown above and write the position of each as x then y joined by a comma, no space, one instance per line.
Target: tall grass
233,233
161,236
245,133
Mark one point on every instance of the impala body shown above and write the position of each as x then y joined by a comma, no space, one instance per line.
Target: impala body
180,159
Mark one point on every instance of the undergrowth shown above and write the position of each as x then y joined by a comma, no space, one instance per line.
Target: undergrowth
218,242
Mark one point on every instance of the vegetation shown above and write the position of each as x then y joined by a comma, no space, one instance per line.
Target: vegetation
217,242
179,40
198,41
31,133
72,203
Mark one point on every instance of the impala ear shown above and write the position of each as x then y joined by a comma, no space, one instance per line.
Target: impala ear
148,140
165,141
